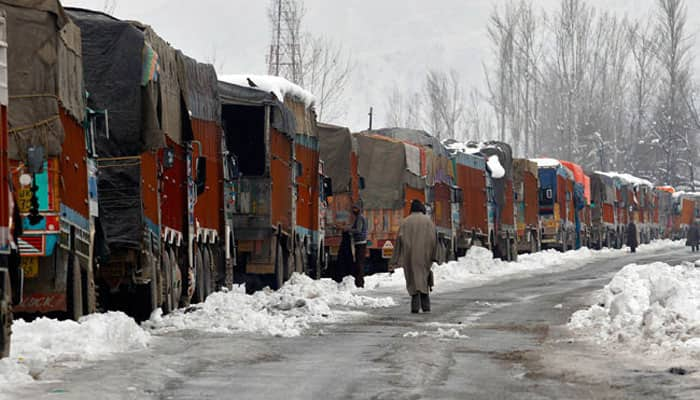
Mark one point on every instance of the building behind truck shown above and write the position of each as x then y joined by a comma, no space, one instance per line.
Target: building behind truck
272,136
51,167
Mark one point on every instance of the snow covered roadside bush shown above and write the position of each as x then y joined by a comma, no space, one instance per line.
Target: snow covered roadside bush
652,308
37,345
287,312
479,267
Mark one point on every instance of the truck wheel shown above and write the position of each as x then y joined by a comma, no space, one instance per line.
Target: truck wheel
5,316
514,250
279,267
74,292
208,272
564,243
166,286
176,277
198,296
89,290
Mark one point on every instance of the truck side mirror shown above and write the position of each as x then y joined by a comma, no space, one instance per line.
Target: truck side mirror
201,174
327,187
361,183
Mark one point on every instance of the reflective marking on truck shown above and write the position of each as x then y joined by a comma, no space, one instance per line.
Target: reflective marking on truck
387,250
42,302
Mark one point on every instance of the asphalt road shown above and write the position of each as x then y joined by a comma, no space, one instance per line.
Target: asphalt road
512,345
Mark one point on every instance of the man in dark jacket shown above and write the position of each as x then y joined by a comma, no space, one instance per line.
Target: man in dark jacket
358,232
693,239
415,252
632,241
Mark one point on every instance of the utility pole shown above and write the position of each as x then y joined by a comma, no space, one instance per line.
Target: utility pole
279,34
371,114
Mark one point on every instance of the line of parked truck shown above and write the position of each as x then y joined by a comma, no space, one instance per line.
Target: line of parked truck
132,177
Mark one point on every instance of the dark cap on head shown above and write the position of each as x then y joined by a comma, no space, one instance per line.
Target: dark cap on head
358,205
417,206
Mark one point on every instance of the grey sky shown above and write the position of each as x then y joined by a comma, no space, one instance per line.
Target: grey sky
394,42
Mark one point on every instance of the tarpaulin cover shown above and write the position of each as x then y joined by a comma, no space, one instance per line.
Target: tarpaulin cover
418,137
283,119
336,146
44,71
113,57
520,166
382,162
200,85
602,189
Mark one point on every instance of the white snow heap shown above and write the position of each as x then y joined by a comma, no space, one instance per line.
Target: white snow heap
38,344
279,86
287,312
546,162
653,308
497,170
681,194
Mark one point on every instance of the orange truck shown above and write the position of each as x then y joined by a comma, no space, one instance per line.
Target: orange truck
581,209
340,159
526,188
604,218
10,273
51,166
472,211
272,135
686,210
393,179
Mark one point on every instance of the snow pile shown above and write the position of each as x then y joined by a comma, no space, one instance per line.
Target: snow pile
653,308
440,333
39,344
280,87
497,171
286,312
546,162
479,267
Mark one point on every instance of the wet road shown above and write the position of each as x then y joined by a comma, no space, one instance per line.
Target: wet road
507,343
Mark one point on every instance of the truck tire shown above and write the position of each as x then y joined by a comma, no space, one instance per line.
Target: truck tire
176,276
208,269
278,279
166,285
74,289
5,316
89,291
198,296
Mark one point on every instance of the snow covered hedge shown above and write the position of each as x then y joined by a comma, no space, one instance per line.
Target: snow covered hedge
653,308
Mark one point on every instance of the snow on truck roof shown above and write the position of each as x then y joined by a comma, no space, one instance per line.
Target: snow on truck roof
279,86
627,178
546,162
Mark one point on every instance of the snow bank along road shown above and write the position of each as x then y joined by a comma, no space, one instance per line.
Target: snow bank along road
504,339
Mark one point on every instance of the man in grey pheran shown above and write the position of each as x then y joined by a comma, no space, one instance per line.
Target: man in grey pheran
415,252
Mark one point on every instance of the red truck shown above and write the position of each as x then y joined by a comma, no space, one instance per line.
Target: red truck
526,187
10,274
272,135
51,166
340,159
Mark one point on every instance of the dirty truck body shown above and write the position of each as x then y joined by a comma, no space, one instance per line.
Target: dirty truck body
556,206
10,274
526,188
276,211
51,167
339,154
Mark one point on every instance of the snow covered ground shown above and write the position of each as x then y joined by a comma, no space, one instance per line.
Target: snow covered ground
652,309
288,312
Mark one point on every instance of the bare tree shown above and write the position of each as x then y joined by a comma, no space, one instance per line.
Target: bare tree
109,6
671,122
404,109
444,103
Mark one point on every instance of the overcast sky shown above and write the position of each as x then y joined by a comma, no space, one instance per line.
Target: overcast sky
394,42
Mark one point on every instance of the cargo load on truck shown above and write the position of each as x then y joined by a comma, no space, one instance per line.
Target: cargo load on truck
51,167
443,196
392,174
340,164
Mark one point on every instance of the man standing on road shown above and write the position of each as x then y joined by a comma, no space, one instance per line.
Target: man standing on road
693,237
415,251
358,231
632,237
